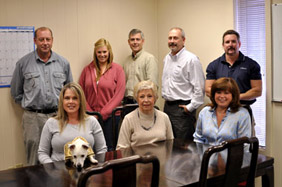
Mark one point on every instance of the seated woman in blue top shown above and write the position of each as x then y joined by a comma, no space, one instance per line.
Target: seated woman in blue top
224,118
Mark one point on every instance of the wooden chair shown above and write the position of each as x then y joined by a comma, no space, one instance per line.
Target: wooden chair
100,117
234,161
123,175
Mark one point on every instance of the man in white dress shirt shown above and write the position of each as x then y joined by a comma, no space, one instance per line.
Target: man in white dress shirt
182,85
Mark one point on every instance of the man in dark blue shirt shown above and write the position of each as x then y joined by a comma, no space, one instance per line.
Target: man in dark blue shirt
244,70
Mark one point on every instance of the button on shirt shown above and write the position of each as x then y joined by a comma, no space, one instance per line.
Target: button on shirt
183,79
36,84
233,126
242,71
142,66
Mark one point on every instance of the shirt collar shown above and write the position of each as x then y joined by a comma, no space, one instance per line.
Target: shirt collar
213,109
241,58
51,59
177,54
137,54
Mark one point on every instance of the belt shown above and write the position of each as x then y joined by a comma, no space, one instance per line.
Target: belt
42,111
175,102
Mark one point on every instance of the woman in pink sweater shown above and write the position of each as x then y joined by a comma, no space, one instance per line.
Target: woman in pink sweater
103,82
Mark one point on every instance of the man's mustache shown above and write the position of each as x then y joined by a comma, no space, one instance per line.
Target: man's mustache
231,48
172,44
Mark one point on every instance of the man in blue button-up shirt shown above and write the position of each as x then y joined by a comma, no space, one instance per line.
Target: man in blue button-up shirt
36,84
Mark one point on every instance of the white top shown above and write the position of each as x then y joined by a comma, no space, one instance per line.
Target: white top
133,134
183,79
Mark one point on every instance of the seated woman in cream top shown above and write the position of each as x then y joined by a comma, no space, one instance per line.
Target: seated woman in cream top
145,124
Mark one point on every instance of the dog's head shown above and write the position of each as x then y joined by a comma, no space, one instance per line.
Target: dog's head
78,151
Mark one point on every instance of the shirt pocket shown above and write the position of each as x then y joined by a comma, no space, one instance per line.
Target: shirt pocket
178,74
31,81
59,79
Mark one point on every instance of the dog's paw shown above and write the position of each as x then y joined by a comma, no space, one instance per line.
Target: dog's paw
93,160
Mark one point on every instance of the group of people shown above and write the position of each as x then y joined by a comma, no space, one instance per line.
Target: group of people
42,83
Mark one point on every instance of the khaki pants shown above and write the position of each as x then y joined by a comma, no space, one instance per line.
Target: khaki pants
32,127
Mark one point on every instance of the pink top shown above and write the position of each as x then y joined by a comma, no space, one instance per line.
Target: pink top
109,92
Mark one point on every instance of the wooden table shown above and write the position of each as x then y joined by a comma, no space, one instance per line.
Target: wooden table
180,166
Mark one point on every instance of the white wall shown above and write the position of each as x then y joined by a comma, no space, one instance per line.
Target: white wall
76,26
203,25
274,110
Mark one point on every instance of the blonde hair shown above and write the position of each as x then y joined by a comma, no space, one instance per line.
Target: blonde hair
102,43
62,115
145,85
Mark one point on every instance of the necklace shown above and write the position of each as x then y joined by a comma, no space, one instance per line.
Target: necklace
151,126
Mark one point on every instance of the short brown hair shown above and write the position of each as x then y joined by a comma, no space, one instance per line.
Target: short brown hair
42,29
231,32
222,84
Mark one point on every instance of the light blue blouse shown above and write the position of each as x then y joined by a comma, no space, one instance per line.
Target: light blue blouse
233,126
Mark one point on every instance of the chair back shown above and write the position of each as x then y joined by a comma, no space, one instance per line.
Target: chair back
100,117
234,161
120,168
124,110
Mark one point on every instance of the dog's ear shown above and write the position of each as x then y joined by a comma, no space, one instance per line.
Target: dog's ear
71,146
85,146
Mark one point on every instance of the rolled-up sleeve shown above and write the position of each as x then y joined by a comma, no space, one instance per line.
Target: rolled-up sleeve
197,80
